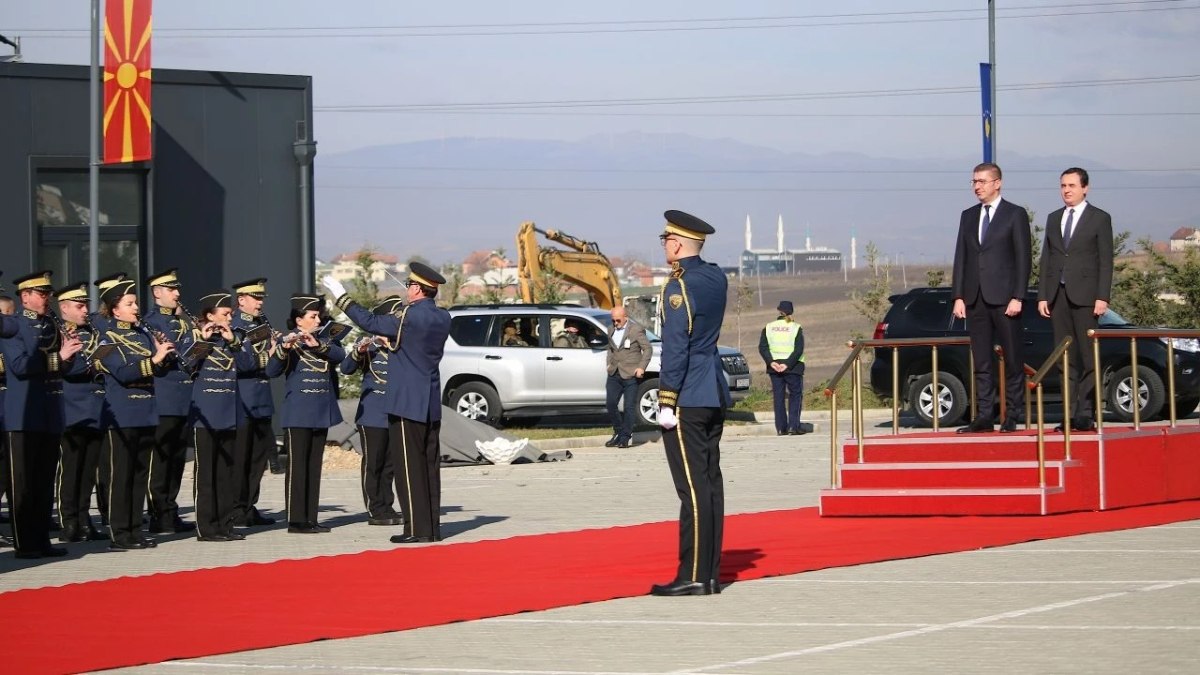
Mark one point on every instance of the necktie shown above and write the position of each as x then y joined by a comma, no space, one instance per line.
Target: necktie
1067,228
987,220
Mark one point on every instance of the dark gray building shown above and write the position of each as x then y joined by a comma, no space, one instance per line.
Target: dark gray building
226,197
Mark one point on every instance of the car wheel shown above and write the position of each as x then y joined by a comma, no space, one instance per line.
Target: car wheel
647,403
476,401
951,404
1119,393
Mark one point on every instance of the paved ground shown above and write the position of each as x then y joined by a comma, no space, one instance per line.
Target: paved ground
1115,602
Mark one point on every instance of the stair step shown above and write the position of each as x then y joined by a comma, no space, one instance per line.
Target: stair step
984,474
935,501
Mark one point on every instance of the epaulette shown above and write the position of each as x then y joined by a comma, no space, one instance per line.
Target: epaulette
677,272
246,317
29,314
165,311
124,325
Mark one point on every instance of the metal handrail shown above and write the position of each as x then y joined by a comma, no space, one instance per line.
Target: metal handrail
1061,352
1096,334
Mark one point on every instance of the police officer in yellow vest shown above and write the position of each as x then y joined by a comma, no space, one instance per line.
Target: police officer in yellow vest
782,347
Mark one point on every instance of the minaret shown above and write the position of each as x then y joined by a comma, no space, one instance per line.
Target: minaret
853,250
779,234
748,247
807,237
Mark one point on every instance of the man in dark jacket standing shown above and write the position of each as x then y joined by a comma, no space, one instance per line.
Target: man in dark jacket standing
782,348
1076,280
992,258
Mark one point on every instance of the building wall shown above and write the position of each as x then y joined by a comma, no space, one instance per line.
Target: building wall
222,188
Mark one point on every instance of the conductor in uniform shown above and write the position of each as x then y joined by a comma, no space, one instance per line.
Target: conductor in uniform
414,403
692,397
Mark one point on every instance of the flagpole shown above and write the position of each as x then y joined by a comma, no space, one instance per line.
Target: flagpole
992,63
94,160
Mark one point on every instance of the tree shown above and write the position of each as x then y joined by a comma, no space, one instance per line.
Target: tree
872,300
363,288
935,278
449,292
743,300
1035,241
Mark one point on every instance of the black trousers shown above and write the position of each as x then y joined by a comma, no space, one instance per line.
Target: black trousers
787,389
78,460
1068,318
305,450
255,445
166,469
129,463
103,478
5,471
376,471
31,464
417,457
694,455
617,388
988,325
215,488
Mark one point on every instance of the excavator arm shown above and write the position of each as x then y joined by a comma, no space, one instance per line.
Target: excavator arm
584,266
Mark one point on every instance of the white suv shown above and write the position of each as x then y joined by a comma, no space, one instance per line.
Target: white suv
484,378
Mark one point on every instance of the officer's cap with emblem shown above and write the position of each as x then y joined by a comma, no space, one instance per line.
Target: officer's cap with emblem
303,302
38,281
105,283
686,225
166,278
119,289
215,300
425,275
388,305
77,292
253,287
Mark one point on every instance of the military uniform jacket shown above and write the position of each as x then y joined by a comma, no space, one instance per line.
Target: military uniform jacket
310,396
693,307
372,402
83,385
174,389
215,405
8,328
254,387
34,372
420,334
129,376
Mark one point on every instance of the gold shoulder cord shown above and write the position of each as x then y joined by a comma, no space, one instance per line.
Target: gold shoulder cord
371,367
125,344
220,359
314,363
403,313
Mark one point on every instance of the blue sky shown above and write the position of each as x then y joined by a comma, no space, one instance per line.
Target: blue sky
404,53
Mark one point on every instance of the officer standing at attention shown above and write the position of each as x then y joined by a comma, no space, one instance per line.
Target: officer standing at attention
310,407
130,412
692,398
256,438
82,438
102,322
173,392
414,395
35,359
782,347
370,355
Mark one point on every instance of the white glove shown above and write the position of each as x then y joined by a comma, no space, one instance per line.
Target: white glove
335,287
666,417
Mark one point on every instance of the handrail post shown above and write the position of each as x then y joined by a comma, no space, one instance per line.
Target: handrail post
935,411
895,391
1135,390
971,377
1000,385
1066,394
1041,444
1098,383
857,415
833,441
1028,404
1171,378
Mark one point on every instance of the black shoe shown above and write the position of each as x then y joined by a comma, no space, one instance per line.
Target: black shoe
213,537
179,526
256,518
714,586
158,526
234,536
682,588
781,433
626,442
97,535
147,542
321,528
1009,426
126,545
386,520
71,535
48,552
977,426
797,432
302,528
1083,424
612,442
410,539
276,466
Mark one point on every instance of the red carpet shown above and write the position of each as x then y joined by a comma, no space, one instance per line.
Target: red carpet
105,624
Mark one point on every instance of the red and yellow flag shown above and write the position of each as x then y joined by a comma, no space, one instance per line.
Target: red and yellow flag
126,81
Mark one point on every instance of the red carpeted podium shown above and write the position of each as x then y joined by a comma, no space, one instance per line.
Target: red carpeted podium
947,473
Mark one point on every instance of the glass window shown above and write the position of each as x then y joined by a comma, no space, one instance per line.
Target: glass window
518,331
573,332
931,313
470,330
62,198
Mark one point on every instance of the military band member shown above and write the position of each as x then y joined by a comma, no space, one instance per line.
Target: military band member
310,407
8,328
413,398
130,412
216,414
82,438
256,438
692,398
101,322
173,393
370,355
35,359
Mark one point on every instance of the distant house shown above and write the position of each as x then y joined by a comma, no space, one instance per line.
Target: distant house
1185,238
384,267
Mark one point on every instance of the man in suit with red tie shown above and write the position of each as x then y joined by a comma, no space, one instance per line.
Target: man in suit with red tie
1076,280
991,271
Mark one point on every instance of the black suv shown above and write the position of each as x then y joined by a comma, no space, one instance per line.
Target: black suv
926,313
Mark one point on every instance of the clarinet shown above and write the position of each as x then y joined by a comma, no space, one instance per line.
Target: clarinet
191,317
157,336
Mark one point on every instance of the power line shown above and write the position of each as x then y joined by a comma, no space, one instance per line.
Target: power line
506,169
593,113
650,26
871,189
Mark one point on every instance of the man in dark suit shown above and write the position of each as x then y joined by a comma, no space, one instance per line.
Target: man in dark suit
1076,280
628,355
991,270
